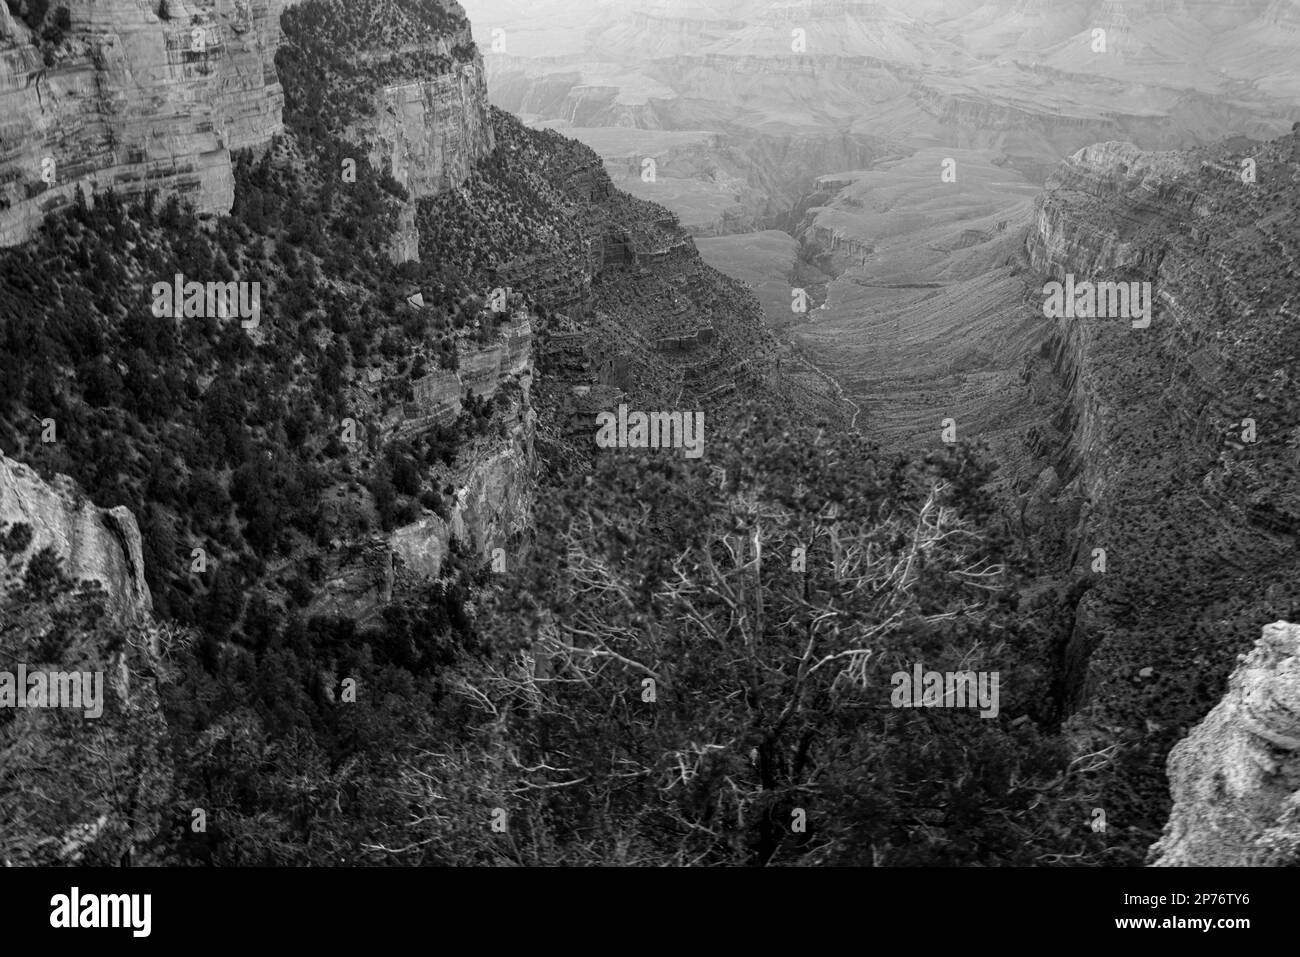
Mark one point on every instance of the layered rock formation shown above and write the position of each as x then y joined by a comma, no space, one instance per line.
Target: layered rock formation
133,100
98,544
1158,436
1235,779
492,479
494,487
427,132
438,395
1080,228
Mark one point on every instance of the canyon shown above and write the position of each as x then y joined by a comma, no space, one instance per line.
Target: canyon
926,291
827,173
1014,76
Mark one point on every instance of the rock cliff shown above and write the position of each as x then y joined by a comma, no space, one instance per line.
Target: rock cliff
137,95
494,484
94,543
1175,445
1236,778
428,133
426,130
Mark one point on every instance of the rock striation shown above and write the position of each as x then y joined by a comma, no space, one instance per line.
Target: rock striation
1235,779
99,544
428,133
139,95
1079,225
483,371
1154,437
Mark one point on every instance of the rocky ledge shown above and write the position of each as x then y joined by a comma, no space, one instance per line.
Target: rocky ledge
1235,779
94,543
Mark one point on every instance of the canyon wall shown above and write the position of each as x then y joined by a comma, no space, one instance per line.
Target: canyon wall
492,479
99,544
1175,445
133,100
429,131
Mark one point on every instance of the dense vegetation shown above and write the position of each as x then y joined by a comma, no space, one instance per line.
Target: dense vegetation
768,700
654,679
224,438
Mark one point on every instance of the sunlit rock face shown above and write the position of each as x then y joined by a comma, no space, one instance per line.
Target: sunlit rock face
139,95
1235,779
94,543
429,132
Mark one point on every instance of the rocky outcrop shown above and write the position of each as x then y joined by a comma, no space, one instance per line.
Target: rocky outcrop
490,509
429,133
1235,779
494,485
132,101
438,396
1080,228
94,543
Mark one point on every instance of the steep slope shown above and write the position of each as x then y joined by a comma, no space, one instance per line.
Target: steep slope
1176,445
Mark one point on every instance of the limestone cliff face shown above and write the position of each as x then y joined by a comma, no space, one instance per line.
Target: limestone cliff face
94,543
1235,779
132,101
491,506
429,132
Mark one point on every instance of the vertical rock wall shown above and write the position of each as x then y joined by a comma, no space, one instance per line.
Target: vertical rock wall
141,94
